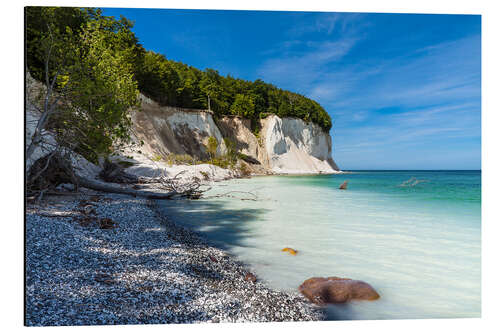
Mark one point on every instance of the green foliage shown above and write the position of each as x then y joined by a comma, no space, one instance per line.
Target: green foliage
230,146
231,151
228,160
184,159
176,84
94,64
102,84
158,79
62,22
104,66
212,146
243,105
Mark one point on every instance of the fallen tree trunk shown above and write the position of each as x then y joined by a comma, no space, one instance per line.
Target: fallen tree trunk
54,169
98,186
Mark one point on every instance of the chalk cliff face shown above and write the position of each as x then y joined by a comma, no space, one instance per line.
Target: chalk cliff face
283,146
286,145
294,146
170,130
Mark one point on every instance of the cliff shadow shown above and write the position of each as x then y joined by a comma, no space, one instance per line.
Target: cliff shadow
217,223
229,129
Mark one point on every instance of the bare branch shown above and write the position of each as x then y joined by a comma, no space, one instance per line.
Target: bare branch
254,196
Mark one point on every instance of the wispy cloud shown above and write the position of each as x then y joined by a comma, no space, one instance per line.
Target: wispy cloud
413,80
306,66
328,23
383,97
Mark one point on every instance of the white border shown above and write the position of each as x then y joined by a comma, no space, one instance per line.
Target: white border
12,160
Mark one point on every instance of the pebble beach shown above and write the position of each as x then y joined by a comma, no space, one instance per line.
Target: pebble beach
101,259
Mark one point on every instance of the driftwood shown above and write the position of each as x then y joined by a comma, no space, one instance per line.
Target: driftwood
99,186
190,190
229,194
168,187
57,215
48,172
54,169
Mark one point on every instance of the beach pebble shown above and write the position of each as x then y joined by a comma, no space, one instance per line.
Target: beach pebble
145,270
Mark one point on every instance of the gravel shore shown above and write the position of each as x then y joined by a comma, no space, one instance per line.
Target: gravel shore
113,259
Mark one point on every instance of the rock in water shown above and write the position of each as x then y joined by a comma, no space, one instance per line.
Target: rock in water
290,250
343,186
333,289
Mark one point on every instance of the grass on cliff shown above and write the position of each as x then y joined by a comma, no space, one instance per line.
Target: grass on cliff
228,160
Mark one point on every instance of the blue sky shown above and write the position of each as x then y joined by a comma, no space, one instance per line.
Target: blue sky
403,90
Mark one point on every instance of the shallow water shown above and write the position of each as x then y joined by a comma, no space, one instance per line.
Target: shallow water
418,246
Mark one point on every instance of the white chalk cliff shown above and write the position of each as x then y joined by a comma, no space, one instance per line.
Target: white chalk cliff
294,146
284,146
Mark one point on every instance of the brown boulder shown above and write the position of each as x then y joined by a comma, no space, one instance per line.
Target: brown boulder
321,290
250,277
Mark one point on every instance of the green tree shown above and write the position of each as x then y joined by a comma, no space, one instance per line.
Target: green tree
64,23
90,86
243,105
165,81
211,86
158,79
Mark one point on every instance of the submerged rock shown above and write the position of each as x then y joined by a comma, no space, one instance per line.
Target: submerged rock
290,250
333,289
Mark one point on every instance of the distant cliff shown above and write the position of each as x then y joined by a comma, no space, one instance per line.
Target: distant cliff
283,146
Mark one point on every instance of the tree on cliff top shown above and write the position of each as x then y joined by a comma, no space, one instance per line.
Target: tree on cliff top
243,105
176,84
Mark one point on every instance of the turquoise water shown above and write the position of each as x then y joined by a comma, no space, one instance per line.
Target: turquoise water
415,236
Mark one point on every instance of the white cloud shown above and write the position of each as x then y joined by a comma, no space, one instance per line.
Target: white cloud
304,67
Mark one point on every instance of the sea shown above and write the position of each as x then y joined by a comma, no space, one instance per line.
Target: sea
415,236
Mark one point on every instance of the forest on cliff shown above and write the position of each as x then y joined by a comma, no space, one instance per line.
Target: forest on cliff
166,81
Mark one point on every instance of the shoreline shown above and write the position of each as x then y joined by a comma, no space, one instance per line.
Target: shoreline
147,270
